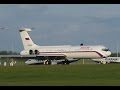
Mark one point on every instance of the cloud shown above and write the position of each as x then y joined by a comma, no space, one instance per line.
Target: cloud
71,28
62,23
78,10
34,7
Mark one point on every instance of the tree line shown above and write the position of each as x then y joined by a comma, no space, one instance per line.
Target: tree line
8,53
115,55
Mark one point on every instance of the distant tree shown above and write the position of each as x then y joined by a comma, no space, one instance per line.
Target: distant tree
115,55
8,53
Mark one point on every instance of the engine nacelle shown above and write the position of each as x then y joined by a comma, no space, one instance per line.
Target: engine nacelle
29,52
24,52
36,52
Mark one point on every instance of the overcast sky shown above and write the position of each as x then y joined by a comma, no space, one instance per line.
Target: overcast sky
61,24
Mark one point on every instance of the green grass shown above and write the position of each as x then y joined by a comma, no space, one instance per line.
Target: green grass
60,75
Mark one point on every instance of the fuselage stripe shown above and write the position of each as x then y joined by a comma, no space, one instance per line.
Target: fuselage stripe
76,52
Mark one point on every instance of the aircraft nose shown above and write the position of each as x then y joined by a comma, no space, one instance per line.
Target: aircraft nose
108,53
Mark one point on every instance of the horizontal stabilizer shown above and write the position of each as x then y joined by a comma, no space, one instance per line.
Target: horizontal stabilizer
25,29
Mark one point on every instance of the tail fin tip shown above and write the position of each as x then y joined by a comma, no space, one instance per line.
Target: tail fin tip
24,29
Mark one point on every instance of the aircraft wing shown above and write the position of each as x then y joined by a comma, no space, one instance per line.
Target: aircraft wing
40,57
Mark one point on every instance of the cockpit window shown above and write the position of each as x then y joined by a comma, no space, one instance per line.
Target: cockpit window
105,49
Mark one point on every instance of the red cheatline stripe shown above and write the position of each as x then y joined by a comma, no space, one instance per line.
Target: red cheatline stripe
75,51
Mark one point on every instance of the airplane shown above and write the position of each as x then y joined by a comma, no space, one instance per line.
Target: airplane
61,54
107,60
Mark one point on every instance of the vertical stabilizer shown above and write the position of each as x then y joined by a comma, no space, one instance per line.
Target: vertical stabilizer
26,40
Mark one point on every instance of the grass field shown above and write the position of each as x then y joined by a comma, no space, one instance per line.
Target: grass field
60,75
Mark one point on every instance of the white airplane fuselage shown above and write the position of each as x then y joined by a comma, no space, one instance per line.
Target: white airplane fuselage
71,51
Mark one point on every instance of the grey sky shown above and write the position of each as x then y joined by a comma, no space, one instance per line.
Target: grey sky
61,24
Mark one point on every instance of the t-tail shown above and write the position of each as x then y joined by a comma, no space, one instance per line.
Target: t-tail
26,40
